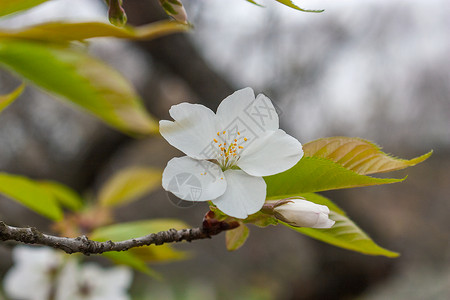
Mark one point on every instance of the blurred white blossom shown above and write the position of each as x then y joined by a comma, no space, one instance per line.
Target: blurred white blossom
91,282
34,273
44,273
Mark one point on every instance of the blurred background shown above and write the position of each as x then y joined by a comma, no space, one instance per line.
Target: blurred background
377,69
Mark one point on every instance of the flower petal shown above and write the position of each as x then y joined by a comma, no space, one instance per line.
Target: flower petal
245,194
241,109
271,153
193,180
193,130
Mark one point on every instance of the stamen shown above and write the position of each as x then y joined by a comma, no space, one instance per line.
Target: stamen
223,132
245,139
218,133
240,147
239,133
215,141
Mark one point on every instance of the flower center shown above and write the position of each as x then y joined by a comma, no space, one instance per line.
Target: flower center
228,148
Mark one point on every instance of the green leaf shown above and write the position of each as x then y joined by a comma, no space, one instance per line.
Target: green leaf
63,194
7,99
292,5
82,80
344,233
130,230
358,155
129,259
66,32
125,231
253,2
313,174
30,194
129,185
11,6
234,239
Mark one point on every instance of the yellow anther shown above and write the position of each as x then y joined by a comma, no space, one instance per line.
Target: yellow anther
240,147
218,133
221,178
215,141
223,132
235,140
239,133
245,139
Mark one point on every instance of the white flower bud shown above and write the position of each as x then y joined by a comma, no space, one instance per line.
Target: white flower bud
303,213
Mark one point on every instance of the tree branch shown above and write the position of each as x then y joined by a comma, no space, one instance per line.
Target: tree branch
83,244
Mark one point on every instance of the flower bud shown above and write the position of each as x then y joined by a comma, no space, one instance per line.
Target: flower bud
303,213
175,9
116,13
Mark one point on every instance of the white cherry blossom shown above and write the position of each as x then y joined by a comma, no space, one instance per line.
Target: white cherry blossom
303,213
91,282
33,275
228,152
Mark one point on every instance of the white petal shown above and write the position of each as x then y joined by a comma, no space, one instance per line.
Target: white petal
324,222
271,153
241,109
192,131
245,194
193,180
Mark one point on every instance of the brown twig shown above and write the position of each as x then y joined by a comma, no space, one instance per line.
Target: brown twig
83,244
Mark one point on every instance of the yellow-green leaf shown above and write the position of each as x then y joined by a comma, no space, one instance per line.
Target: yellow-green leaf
7,99
315,174
358,155
11,6
129,185
129,259
234,239
344,233
130,230
28,193
66,32
63,194
292,5
81,79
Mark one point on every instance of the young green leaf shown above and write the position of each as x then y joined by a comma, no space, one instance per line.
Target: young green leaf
124,231
81,79
130,259
344,233
129,185
313,174
234,239
129,230
253,2
347,235
11,6
63,194
292,5
7,99
358,155
30,194
63,32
